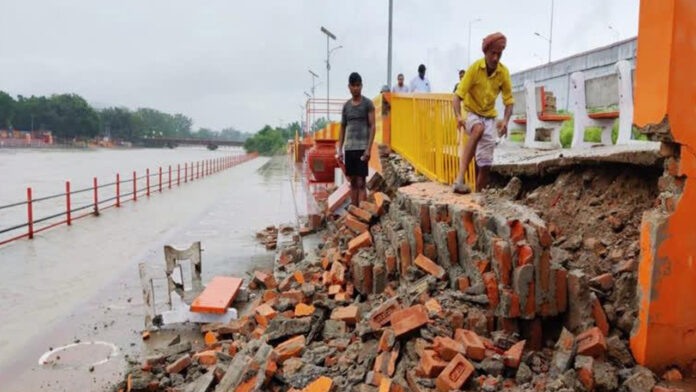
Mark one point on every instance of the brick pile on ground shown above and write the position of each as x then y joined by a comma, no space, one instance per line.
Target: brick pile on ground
418,290
268,237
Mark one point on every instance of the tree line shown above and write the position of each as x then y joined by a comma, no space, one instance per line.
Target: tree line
273,140
69,116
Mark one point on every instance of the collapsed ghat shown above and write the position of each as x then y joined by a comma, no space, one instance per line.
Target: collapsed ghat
420,283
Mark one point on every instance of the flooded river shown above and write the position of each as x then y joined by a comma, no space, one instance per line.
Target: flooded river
80,284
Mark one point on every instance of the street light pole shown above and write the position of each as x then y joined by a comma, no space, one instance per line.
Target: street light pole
547,39
314,77
468,55
389,46
328,67
551,31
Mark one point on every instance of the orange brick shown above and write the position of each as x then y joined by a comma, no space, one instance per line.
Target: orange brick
672,375
431,364
592,343
179,365
381,201
447,348
418,237
266,279
370,207
491,289
208,357
302,310
290,348
295,296
387,340
258,332
452,249
513,355
561,289
321,384
584,368
430,251
361,241
341,297
454,375
338,273
146,335
525,255
483,265
359,213
247,386
603,281
433,306
299,277
517,232
269,295
264,314
349,314
210,338
429,266
390,259
385,385
405,254
334,289
463,283
472,343
382,315
356,225
409,319
599,316
468,221
502,258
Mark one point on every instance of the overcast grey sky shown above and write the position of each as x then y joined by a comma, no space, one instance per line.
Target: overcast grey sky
244,63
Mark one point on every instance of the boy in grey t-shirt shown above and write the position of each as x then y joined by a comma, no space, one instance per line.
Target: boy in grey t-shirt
357,136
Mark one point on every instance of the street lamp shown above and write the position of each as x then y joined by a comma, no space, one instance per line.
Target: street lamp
314,77
547,39
328,66
468,55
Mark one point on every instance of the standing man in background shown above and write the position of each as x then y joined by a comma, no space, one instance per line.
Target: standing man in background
357,136
400,86
482,82
420,84
461,75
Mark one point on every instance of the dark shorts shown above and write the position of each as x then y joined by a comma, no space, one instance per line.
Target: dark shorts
355,166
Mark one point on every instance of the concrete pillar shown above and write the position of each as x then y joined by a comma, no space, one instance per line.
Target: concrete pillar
666,90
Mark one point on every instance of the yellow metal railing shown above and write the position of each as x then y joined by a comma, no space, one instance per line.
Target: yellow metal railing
423,131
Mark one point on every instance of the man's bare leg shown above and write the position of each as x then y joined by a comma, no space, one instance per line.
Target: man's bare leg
354,191
482,173
467,154
362,192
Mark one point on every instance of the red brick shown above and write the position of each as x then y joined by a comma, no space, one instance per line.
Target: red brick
424,216
544,271
430,251
431,364
463,283
561,290
179,365
661,388
483,265
356,225
208,357
672,375
599,316
334,289
491,289
145,335
592,343
584,368
338,273
269,295
386,341
510,304
468,221
370,207
264,314
429,266
409,319
472,343
290,348
302,310
210,338
513,355
361,241
381,201
390,260
382,315
452,248
385,385
454,375
266,279
359,213
603,281
405,254
295,296
517,232
525,255
545,238
502,259
418,238
447,348
433,306
349,314
321,384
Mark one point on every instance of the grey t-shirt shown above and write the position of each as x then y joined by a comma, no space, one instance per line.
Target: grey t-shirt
356,122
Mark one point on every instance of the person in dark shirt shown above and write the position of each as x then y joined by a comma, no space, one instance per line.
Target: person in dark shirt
461,75
356,138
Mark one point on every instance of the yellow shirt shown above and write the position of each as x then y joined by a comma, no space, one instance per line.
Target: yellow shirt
479,91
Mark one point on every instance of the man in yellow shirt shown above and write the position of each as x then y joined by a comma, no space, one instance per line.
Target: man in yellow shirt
482,82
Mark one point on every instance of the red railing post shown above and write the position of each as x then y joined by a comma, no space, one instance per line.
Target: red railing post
170,176
160,180
30,214
68,217
185,172
118,190
147,182
178,174
135,186
198,169
96,196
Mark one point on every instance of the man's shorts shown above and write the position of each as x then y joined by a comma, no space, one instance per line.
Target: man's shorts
486,145
354,165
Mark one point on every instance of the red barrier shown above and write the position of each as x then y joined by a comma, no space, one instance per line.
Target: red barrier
202,169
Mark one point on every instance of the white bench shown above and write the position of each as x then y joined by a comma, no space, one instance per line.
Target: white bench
530,104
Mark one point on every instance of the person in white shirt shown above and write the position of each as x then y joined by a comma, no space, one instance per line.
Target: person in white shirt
420,84
400,87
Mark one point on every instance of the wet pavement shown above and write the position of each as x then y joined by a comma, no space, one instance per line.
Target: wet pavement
76,291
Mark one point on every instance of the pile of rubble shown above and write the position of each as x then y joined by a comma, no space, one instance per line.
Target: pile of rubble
419,290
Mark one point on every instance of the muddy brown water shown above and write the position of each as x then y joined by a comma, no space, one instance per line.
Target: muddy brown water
76,291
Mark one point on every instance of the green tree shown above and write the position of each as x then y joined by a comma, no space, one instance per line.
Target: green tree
319,124
7,110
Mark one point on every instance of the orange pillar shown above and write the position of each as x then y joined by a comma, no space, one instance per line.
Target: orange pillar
666,89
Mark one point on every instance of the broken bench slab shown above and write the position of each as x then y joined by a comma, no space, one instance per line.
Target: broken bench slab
217,296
